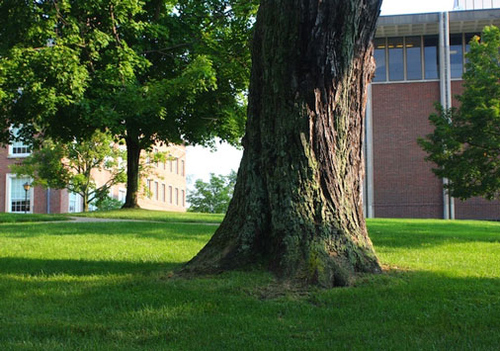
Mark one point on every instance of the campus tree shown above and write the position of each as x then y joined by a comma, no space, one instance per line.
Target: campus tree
73,166
465,143
153,71
297,204
212,196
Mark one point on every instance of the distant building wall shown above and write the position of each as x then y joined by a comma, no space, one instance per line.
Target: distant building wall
167,182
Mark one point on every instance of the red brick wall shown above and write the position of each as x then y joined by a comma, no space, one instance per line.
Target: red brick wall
404,185
39,194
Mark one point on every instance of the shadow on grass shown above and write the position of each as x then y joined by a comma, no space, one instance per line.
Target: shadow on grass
408,311
413,233
44,267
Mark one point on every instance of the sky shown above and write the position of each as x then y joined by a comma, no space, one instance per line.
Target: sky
200,162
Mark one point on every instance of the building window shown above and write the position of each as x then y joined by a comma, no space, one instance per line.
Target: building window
183,198
380,60
396,63
413,58
122,195
17,148
177,196
74,202
176,165
183,168
170,194
468,38
163,193
431,54
18,199
149,188
157,195
157,163
456,55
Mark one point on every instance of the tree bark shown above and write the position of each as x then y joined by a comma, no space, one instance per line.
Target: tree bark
297,205
133,161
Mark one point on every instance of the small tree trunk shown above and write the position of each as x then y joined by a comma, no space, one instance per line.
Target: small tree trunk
133,160
85,202
297,205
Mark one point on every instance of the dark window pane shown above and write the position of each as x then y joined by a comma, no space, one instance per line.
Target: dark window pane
431,53
380,60
413,58
396,66
468,38
456,55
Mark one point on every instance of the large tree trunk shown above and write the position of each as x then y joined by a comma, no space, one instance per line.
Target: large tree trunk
133,161
297,205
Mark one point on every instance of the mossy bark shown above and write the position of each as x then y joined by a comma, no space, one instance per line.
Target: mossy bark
297,205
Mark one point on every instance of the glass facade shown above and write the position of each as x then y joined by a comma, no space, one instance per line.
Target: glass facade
417,57
413,58
396,58
431,57
456,55
379,55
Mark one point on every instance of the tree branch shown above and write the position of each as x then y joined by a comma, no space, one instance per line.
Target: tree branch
115,32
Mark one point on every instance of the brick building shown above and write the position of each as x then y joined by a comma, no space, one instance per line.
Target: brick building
420,61
166,186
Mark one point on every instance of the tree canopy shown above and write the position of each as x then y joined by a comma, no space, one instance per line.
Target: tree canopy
465,143
212,196
150,71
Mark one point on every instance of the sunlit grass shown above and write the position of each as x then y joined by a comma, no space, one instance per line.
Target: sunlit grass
109,286
161,216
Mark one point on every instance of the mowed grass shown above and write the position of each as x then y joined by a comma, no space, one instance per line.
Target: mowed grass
109,286
30,217
158,216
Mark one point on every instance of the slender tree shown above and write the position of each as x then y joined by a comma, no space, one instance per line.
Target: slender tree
465,143
297,205
73,166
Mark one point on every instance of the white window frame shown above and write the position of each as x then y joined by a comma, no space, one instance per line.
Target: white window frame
8,193
78,202
122,195
11,154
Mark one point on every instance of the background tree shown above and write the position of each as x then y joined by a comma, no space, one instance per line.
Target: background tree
297,204
465,144
73,165
153,71
214,196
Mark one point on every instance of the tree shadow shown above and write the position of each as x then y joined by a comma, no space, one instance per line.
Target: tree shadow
408,310
46,267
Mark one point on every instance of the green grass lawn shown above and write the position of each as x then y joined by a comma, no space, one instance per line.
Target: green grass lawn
29,217
107,286
158,216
